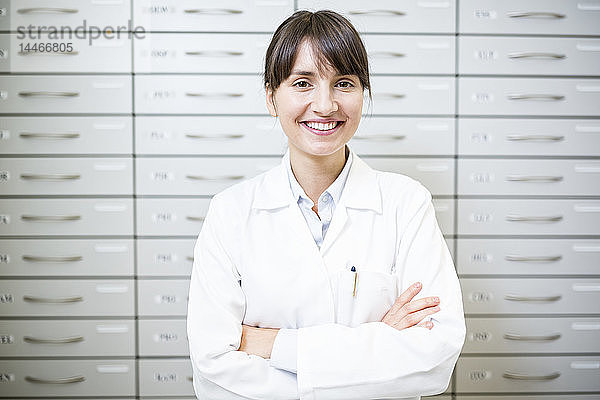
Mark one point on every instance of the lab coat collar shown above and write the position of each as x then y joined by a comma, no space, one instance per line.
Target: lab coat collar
361,191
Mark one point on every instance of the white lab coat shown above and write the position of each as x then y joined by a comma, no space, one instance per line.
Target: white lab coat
254,232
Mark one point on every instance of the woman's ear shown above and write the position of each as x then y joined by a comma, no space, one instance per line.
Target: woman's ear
270,98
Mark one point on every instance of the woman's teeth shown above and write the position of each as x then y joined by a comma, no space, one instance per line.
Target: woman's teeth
321,126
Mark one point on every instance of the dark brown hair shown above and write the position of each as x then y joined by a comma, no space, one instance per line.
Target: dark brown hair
335,42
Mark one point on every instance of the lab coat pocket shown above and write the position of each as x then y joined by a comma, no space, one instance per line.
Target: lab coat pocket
373,296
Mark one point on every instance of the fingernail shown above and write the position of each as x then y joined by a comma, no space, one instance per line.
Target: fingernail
436,299
418,285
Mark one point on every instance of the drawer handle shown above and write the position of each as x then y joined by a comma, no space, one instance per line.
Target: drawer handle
548,338
543,97
50,218
190,378
71,379
212,11
393,13
545,299
190,258
532,258
380,137
50,177
391,54
523,377
52,258
519,218
533,54
531,178
212,137
58,53
194,218
534,14
391,95
215,178
58,300
50,10
535,138
200,94
29,135
73,339
214,53
48,94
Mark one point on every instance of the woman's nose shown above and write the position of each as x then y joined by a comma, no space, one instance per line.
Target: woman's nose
324,102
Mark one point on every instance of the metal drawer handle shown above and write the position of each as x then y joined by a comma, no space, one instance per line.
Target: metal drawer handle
380,137
190,258
523,377
58,53
48,94
73,339
546,299
50,10
214,178
392,54
212,137
190,378
212,11
534,14
58,300
535,138
71,379
52,258
50,177
29,135
533,54
50,218
543,97
214,53
530,178
532,258
391,95
548,338
200,94
194,218
519,218
392,13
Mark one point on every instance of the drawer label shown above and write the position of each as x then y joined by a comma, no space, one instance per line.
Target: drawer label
162,176
4,219
482,98
159,135
166,258
480,336
4,176
159,53
4,259
482,177
481,138
478,376
486,54
4,134
162,94
485,14
166,337
481,218
6,298
7,339
164,217
480,297
166,299
7,378
165,378
481,258
156,10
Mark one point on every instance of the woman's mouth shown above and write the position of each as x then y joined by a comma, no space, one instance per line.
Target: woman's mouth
322,128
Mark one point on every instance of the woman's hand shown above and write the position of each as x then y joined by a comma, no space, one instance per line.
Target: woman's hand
258,341
405,313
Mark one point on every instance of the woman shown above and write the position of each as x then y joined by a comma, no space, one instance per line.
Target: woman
297,272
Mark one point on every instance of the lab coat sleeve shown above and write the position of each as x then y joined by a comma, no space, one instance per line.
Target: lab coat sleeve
284,354
374,360
216,307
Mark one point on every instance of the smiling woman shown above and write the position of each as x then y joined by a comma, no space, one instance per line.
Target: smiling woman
322,278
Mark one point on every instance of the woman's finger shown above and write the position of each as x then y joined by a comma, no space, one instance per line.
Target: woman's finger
420,304
405,297
416,317
426,324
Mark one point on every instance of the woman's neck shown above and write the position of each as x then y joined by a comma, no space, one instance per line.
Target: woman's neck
316,173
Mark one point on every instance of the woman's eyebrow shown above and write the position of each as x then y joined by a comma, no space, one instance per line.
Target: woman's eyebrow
304,73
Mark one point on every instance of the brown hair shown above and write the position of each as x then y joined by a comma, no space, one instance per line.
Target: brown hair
335,42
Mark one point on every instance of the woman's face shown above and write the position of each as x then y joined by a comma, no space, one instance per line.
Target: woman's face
319,111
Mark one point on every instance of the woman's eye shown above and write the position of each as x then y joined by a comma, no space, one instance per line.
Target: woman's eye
301,84
345,84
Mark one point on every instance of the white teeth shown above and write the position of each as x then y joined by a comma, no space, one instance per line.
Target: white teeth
320,126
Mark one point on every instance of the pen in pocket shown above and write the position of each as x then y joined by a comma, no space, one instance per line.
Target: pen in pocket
353,269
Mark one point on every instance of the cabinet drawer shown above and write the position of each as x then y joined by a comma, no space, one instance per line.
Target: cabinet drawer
532,335
411,54
529,177
528,217
529,96
49,176
163,338
209,135
165,257
437,174
404,136
166,377
553,17
52,378
65,135
528,257
201,52
66,217
177,217
163,297
390,16
224,16
528,56
102,338
93,94
76,257
535,137
411,95
72,13
196,176
527,374
531,397
530,296
71,54
36,298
